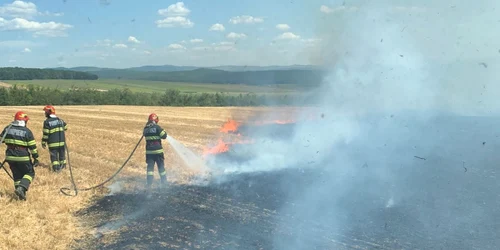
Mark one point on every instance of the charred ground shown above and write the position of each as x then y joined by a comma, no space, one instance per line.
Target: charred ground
443,196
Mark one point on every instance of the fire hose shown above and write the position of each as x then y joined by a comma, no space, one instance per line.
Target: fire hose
1,141
63,190
75,188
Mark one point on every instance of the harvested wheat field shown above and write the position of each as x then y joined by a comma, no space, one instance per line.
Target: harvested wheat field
397,184
99,138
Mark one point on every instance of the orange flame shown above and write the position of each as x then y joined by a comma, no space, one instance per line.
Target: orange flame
221,147
235,137
230,126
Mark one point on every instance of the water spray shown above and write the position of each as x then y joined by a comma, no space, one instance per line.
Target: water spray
189,158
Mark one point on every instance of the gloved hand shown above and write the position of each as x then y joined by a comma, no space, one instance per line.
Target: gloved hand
35,163
44,145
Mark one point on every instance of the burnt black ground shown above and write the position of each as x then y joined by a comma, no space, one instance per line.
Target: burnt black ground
442,179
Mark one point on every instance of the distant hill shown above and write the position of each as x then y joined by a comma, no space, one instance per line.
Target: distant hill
259,68
252,75
162,68
170,68
207,75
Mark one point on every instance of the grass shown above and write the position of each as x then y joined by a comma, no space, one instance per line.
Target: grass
157,86
100,138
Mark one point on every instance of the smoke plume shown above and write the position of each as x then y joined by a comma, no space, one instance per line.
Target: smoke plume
402,80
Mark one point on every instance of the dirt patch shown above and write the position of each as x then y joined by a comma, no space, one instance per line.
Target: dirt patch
5,85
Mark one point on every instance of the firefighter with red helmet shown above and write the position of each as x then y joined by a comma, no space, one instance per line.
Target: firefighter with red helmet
153,134
20,142
54,136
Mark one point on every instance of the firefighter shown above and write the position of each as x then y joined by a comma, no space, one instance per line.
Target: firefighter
20,142
153,134
54,136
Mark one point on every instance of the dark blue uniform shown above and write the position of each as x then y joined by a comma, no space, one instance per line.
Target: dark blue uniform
153,134
20,142
54,135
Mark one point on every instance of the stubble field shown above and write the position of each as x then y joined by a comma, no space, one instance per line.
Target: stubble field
100,138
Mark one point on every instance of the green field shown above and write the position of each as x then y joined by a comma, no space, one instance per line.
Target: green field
157,86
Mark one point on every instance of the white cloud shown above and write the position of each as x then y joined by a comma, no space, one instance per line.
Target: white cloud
177,9
233,35
288,36
26,50
22,9
175,16
50,29
196,40
147,52
174,21
217,27
133,39
245,19
282,26
19,9
325,9
176,46
120,46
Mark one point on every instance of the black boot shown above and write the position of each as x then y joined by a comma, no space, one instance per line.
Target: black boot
21,192
56,168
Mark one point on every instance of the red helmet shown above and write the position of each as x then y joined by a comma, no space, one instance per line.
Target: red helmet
21,116
153,117
49,109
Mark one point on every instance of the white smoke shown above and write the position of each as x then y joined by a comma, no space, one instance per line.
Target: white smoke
383,59
386,61
404,65
368,76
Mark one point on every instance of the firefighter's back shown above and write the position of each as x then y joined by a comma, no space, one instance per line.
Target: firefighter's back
54,132
153,134
18,140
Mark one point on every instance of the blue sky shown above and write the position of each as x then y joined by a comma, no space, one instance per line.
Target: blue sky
127,33
112,33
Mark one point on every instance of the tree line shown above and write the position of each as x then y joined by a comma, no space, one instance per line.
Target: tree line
17,73
36,95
